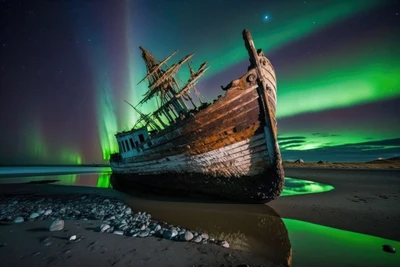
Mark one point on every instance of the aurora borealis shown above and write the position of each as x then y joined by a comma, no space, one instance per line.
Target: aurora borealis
66,68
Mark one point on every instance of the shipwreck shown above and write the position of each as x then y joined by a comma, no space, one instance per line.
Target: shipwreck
227,148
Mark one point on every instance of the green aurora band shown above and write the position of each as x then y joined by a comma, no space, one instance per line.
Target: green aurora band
334,82
41,153
291,27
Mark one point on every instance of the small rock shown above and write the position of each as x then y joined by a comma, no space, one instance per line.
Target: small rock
118,232
40,211
48,212
144,233
18,219
197,239
73,237
243,265
104,227
169,234
389,248
36,253
34,215
57,225
188,236
225,244
204,236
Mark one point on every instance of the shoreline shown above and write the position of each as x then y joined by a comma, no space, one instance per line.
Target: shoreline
344,165
363,201
164,249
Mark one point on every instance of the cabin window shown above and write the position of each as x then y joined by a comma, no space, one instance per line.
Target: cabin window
132,144
127,145
141,138
137,144
123,146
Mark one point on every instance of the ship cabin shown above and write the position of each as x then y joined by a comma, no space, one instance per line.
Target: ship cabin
131,142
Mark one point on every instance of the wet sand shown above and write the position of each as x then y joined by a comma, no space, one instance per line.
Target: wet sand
31,244
25,244
363,201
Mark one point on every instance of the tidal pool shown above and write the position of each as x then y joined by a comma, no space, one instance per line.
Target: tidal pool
300,187
317,245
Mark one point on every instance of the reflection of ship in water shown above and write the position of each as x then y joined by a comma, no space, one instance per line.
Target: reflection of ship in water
256,228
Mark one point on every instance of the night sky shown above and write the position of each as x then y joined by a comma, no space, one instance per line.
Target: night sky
66,67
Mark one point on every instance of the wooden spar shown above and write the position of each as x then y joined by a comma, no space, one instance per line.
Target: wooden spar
191,83
154,88
158,67
146,118
192,74
170,72
270,127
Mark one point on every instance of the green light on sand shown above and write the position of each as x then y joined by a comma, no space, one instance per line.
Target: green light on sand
294,187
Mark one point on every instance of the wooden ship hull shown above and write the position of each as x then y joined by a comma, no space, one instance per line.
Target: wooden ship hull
227,149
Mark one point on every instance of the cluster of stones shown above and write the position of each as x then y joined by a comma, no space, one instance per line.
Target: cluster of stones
116,217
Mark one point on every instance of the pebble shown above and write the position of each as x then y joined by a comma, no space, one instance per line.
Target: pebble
118,232
34,215
144,233
116,217
19,219
104,227
389,248
170,233
204,236
188,236
197,239
57,225
225,244
48,212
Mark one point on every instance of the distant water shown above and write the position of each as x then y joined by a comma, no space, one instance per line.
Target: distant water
39,170
100,177
256,227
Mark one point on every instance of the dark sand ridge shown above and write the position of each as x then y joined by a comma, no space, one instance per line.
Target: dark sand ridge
364,200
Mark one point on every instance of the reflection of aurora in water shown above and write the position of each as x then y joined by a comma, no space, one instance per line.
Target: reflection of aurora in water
300,187
102,179
313,243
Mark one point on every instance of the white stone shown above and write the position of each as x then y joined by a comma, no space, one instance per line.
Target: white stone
225,244
57,225
19,219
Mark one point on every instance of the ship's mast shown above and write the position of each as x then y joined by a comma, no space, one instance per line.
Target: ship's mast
146,118
164,85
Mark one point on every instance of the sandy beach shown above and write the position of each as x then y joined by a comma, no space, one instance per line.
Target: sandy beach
363,201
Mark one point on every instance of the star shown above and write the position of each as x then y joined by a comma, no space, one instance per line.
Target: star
266,17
